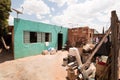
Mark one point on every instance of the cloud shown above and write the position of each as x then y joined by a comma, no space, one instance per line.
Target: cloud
10,20
71,2
94,13
53,9
35,7
50,15
60,3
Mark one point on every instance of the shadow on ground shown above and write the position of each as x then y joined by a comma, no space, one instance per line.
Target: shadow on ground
6,55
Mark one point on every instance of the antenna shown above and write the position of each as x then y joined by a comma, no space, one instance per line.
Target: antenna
18,12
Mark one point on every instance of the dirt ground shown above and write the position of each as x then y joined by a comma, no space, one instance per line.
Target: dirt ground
40,67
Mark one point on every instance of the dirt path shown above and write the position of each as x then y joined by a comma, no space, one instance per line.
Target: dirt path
40,67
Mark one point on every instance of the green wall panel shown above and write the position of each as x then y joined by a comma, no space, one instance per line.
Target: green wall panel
22,49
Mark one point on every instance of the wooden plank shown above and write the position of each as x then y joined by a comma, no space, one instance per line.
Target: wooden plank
119,50
98,46
119,64
115,48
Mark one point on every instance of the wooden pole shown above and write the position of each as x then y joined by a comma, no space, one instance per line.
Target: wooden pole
115,46
119,50
98,46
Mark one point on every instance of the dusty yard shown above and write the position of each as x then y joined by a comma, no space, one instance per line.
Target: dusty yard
40,67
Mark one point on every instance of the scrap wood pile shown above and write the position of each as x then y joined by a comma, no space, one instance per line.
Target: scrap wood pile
81,65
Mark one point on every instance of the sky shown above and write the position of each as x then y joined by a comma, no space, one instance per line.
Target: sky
67,13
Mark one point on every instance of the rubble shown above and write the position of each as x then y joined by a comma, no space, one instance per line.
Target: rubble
86,68
50,51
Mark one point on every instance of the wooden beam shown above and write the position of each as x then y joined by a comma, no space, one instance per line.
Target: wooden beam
115,48
119,50
97,48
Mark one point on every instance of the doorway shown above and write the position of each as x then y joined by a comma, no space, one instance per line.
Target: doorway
60,41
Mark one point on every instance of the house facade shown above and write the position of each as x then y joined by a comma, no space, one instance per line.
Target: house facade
31,38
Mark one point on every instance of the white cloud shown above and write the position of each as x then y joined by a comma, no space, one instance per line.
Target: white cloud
62,2
94,13
11,20
52,9
59,2
50,15
39,16
71,2
35,7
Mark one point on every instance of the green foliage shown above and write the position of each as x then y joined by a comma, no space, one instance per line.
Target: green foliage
5,8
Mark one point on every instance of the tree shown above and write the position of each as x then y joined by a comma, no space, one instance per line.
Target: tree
5,8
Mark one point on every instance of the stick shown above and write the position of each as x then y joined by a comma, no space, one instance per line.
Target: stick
98,46
3,41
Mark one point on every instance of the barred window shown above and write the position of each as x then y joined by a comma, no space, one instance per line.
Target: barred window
35,37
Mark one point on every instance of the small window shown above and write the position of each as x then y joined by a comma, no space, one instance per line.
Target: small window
33,37
46,37
90,35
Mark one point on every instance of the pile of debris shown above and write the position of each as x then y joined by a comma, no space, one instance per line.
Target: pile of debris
50,51
78,69
83,65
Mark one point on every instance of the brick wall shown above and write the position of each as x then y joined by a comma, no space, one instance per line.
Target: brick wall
80,34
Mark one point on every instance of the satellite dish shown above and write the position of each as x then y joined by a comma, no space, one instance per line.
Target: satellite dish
18,12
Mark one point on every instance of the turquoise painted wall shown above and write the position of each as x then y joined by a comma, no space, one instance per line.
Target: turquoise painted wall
22,49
